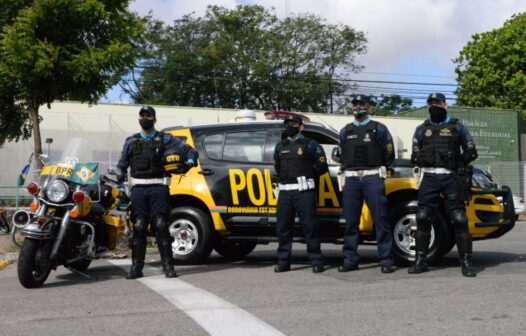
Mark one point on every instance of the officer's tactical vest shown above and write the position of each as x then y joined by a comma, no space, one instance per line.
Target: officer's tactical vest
146,156
360,148
295,161
441,146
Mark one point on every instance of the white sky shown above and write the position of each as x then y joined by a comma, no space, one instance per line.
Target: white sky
417,37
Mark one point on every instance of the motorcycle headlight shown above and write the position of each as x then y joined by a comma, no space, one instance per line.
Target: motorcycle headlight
57,191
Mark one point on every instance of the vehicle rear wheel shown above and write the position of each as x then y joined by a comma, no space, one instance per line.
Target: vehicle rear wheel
234,250
403,224
193,234
34,265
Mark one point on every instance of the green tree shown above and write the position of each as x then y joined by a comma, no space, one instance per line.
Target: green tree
392,104
246,57
491,68
62,49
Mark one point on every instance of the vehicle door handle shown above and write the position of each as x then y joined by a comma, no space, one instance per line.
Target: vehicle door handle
206,172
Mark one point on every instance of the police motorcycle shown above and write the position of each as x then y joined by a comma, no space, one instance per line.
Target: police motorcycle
74,217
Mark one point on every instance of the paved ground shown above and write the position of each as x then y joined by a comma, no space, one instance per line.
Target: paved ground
366,302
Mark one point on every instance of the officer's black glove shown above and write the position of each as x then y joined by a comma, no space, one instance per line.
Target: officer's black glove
184,168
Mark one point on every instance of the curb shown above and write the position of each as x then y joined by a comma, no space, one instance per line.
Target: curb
5,262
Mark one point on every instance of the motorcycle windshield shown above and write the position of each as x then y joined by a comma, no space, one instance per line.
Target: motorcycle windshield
71,163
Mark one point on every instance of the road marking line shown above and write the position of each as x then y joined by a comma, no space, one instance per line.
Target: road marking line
217,316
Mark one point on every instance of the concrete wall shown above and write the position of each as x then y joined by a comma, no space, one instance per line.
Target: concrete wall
106,126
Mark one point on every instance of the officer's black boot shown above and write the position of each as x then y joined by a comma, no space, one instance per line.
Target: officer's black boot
466,263
167,261
465,254
138,254
422,246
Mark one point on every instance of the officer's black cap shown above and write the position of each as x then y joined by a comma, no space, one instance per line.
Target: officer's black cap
293,118
147,109
363,98
436,96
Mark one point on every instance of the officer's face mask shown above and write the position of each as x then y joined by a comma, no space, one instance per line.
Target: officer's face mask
292,130
360,113
437,114
146,124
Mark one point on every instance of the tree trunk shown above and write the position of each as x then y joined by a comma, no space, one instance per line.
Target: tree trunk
33,112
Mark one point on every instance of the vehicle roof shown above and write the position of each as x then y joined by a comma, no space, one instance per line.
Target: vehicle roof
233,124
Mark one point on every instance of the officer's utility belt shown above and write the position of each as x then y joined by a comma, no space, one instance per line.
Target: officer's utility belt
150,181
302,185
381,171
361,173
436,170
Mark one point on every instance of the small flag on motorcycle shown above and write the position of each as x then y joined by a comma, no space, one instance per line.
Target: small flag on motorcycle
85,173
23,174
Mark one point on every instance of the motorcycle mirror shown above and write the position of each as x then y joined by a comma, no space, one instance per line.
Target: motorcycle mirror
114,171
44,158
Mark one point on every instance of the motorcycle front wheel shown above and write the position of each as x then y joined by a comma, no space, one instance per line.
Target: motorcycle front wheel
34,265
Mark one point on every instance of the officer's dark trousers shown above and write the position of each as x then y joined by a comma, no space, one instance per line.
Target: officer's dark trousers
429,197
371,188
304,204
150,202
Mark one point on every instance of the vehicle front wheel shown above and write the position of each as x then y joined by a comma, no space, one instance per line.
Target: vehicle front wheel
234,250
193,234
34,265
403,224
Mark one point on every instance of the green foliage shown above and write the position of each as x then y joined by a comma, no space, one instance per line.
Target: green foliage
392,105
246,57
61,49
491,70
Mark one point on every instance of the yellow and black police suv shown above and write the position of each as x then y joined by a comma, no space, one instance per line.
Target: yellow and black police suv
226,203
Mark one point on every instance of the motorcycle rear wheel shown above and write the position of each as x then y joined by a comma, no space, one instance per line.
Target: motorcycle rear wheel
33,263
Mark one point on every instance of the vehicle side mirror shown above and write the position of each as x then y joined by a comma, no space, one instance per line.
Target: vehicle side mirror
336,155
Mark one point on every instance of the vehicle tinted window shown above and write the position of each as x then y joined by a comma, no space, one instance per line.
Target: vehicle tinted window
244,146
214,146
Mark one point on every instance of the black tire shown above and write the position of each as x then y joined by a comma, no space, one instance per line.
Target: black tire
193,235
234,250
80,265
403,226
4,226
33,263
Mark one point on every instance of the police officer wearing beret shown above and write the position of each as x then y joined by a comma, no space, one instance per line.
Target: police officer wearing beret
366,151
298,161
152,156
437,145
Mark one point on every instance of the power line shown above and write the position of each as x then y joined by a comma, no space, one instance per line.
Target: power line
402,74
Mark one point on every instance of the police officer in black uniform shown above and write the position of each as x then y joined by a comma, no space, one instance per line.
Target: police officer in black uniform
367,149
298,161
152,156
436,150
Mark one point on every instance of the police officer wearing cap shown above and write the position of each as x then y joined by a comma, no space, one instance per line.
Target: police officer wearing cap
437,145
298,161
152,156
366,151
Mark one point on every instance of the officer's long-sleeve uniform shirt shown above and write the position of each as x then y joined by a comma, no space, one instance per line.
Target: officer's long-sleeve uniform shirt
314,151
383,138
169,142
469,151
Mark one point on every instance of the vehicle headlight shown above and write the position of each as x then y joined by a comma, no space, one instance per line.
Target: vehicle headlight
57,191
